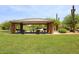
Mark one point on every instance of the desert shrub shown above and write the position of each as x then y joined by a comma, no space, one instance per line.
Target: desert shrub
62,30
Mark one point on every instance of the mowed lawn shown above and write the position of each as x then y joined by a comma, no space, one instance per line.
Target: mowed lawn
38,44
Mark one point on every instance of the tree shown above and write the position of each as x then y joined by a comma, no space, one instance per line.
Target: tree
69,23
5,25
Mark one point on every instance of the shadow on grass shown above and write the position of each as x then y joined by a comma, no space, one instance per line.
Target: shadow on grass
8,32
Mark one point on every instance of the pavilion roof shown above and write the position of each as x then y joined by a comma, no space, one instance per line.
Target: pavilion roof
32,21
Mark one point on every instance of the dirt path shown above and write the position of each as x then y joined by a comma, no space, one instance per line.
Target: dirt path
57,33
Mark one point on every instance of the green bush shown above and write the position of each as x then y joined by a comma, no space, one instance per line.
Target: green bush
5,25
62,30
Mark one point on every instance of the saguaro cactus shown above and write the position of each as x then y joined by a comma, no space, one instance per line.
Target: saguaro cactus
73,18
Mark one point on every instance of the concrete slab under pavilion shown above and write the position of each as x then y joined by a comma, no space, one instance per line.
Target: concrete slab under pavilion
31,21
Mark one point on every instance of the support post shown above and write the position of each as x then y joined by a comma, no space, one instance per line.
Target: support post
21,28
49,28
13,28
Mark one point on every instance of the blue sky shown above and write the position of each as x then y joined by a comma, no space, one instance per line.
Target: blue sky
13,12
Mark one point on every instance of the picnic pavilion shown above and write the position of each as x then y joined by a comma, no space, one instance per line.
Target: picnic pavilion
31,21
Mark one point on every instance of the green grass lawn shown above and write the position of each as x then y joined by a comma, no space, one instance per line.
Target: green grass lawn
35,44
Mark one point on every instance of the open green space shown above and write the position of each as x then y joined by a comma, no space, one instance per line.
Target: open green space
38,44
